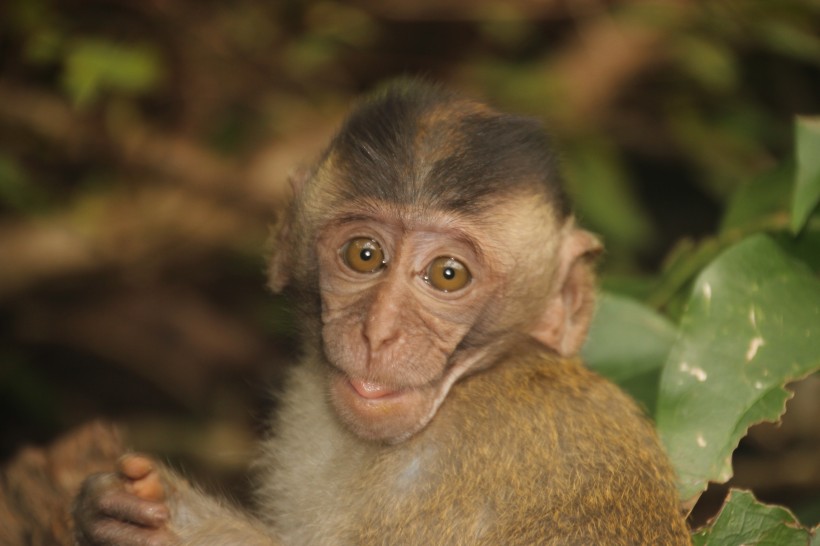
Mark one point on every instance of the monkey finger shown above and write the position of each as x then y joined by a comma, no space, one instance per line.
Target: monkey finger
142,477
109,532
135,466
123,506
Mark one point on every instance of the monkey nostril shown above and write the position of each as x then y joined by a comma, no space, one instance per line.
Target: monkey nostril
380,336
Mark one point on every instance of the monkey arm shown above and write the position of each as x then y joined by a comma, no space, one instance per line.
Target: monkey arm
199,519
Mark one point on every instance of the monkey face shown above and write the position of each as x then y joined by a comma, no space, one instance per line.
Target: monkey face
415,298
399,298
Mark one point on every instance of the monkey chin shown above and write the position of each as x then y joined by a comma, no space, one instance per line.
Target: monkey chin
378,413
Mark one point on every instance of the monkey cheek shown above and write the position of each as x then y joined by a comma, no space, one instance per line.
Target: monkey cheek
390,418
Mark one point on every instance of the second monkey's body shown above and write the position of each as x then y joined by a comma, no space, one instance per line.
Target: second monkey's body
564,457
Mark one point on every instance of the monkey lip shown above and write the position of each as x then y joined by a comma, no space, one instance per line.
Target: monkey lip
366,396
372,391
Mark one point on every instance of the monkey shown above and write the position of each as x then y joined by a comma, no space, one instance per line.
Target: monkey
444,289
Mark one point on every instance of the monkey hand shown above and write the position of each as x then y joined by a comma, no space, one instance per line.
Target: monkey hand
125,508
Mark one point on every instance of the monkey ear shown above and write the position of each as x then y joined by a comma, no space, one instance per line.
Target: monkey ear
564,323
281,238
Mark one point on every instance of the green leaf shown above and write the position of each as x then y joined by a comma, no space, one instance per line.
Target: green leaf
95,66
805,248
744,520
750,326
629,343
755,204
712,63
807,188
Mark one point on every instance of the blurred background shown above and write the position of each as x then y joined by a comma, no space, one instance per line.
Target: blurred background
145,145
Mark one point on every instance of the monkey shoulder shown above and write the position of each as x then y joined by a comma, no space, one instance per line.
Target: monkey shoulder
535,385
560,448
552,410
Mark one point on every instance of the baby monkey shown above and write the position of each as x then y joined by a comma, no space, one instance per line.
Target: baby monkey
444,290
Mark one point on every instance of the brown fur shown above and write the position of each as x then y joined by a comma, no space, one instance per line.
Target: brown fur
38,484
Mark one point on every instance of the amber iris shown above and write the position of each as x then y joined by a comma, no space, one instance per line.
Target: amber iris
363,255
447,274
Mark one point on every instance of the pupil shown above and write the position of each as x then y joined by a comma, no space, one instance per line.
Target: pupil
366,254
449,273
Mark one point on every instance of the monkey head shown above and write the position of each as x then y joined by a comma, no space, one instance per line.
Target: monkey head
431,235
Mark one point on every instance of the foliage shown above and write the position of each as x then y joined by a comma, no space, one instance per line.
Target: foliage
627,343
807,189
749,327
144,145
92,67
745,521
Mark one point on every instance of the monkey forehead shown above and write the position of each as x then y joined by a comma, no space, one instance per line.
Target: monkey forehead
415,144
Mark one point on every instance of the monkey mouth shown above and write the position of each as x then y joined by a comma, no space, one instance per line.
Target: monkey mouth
362,390
365,396
377,411
370,390
365,393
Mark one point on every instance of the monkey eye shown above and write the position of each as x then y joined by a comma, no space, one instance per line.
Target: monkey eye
363,255
447,274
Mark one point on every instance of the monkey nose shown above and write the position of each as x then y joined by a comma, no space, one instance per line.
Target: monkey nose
379,340
382,326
